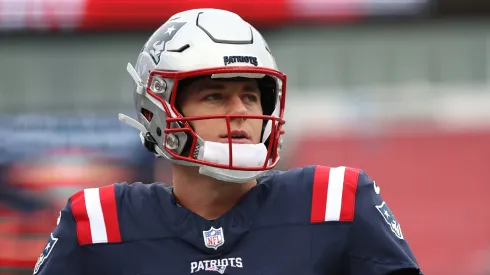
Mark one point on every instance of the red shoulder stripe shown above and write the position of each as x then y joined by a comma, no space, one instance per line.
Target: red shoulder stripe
80,214
109,208
319,196
349,191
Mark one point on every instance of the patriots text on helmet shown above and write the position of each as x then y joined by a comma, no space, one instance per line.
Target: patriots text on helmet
240,59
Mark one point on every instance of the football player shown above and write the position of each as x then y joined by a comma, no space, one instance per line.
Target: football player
210,99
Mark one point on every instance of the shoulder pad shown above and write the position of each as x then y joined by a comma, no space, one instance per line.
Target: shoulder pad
95,213
334,194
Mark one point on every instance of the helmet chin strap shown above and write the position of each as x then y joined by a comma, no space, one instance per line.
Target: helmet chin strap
245,155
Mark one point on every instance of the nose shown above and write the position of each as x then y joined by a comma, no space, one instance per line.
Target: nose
236,105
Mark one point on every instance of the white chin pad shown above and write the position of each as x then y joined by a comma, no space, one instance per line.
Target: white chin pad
246,155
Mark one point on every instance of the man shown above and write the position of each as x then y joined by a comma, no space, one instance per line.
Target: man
211,100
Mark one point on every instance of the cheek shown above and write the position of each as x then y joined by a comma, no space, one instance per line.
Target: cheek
256,109
207,128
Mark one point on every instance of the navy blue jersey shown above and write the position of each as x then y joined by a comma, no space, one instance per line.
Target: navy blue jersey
311,221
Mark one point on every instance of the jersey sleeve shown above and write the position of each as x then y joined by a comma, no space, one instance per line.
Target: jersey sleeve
62,254
376,244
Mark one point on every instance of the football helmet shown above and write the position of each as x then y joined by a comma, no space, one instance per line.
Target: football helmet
217,44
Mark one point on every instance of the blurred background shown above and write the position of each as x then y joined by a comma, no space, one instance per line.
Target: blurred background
399,88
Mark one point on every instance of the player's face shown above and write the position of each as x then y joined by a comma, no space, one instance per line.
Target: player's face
221,97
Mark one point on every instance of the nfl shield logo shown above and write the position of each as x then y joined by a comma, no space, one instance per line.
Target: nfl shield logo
213,238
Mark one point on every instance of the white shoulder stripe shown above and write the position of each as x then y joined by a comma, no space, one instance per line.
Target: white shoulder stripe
95,215
334,194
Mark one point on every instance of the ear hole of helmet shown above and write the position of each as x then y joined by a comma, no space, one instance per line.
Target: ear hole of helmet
147,114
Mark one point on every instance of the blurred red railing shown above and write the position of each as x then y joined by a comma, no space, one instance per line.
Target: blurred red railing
89,15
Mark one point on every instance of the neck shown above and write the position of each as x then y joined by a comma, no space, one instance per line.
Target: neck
208,197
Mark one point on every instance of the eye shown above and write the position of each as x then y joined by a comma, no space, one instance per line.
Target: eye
251,97
215,96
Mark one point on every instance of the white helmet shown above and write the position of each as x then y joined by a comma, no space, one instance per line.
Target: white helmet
218,44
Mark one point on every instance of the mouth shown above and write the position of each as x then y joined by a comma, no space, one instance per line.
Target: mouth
237,137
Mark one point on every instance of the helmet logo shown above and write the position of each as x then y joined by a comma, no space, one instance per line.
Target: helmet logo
157,43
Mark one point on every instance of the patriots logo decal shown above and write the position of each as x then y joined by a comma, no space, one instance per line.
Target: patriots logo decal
388,216
45,253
